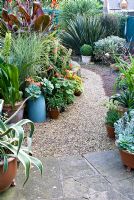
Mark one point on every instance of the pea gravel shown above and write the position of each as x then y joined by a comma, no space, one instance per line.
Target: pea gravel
81,128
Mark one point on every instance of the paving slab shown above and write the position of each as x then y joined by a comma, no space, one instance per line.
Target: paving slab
109,165
94,176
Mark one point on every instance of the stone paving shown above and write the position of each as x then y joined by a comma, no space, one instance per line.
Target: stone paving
94,176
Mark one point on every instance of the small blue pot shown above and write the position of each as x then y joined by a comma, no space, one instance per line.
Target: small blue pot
37,109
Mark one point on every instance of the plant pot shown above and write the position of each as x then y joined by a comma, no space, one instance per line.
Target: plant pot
77,93
122,110
110,131
86,59
114,67
6,178
7,108
54,113
37,109
127,159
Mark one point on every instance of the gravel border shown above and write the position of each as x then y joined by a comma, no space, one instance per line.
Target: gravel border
81,128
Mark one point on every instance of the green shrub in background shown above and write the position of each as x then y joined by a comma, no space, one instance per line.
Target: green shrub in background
86,50
106,49
70,9
114,24
83,30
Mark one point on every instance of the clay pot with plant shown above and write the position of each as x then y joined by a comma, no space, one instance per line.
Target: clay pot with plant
54,105
10,92
86,52
111,117
125,101
12,140
124,129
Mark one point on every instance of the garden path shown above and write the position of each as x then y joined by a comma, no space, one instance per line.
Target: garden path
81,128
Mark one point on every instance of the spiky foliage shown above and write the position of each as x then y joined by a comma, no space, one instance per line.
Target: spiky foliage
70,9
83,30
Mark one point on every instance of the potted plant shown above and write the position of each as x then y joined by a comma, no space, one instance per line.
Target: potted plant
125,100
111,117
124,129
36,105
12,139
54,105
86,52
10,92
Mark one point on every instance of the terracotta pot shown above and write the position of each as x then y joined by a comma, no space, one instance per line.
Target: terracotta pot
7,177
127,159
7,108
122,110
114,67
77,93
110,131
54,113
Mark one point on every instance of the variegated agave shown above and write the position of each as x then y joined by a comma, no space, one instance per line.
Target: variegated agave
11,145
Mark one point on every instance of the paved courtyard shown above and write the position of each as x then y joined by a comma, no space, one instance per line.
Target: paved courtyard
94,176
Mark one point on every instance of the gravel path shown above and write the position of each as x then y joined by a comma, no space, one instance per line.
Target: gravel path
81,128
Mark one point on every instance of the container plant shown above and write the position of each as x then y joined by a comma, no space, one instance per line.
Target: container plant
124,129
10,91
36,105
125,100
111,117
55,103
12,139
86,52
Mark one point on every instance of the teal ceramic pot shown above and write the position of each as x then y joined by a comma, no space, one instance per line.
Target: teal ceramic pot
36,109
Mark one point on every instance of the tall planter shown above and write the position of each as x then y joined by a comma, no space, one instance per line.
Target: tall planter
37,109
7,177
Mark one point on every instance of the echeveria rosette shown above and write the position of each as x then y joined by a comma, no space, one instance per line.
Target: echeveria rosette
124,129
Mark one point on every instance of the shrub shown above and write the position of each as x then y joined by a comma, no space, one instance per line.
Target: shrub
86,50
112,117
71,9
114,24
83,30
111,46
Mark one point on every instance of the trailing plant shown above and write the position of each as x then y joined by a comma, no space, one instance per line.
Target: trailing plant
124,129
9,84
86,50
82,30
106,49
11,145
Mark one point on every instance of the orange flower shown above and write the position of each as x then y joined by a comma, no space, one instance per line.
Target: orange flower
70,65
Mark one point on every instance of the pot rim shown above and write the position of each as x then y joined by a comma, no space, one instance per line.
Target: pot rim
10,159
125,151
108,125
16,104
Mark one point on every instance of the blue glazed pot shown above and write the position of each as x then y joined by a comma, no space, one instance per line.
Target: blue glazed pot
37,109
